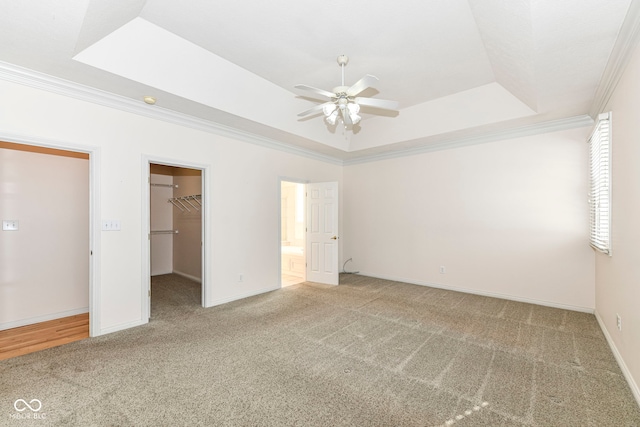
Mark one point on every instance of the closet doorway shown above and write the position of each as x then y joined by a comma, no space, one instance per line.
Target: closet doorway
176,224
292,233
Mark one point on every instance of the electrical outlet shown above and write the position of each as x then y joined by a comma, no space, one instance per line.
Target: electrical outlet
619,322
443,270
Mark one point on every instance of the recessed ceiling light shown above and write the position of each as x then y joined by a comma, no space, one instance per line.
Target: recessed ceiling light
149,100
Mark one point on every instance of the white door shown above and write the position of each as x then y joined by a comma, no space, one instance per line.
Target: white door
322,233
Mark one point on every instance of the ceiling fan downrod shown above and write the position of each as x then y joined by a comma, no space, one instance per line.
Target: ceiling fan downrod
343,60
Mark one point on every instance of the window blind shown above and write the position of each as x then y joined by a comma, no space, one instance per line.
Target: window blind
600,185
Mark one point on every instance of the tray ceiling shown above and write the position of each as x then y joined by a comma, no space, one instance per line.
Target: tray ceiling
458,68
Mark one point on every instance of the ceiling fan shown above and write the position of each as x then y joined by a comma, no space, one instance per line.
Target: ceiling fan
344,103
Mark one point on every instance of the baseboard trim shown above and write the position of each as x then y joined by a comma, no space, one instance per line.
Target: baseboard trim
635,390
45,318
123,326
221,301
188,276
482,293
161,273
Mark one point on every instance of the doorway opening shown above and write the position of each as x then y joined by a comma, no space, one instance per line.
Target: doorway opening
176,224
46,212
292,233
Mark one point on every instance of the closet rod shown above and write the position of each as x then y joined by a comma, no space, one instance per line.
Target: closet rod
164,185
164,232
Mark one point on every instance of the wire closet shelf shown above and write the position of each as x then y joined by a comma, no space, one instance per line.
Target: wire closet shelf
184,202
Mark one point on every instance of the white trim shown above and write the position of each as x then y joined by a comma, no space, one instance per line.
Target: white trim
237,297
45,318
145,241
123,326
45,142
95,302
621,54
35,79
31,78
447,143
188,276
635,390
207,226
482,293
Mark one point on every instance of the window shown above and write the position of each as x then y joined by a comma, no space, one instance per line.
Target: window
600,185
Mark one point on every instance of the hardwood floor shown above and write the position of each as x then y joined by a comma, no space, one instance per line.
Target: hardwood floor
28,339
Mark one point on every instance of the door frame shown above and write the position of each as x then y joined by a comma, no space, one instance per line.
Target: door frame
94,220
296,181
145,283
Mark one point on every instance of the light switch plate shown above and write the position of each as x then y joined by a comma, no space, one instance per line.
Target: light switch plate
10,225
110,225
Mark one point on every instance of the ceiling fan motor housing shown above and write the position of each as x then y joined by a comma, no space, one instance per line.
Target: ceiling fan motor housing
340,90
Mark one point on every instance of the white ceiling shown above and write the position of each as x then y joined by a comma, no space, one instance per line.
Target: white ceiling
456,67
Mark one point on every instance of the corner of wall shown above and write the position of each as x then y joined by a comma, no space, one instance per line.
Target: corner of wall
623,366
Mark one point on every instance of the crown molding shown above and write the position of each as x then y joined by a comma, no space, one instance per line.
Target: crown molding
448,143
26,77
623,49
37,80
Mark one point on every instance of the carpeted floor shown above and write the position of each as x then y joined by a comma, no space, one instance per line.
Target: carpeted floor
369,352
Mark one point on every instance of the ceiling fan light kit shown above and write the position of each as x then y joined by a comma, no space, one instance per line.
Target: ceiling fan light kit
344,104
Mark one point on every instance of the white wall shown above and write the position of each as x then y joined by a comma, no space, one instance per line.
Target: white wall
243,183
618,276
506,218
187,251
44,266
161,220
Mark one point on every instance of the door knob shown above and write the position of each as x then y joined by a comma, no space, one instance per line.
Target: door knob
334,238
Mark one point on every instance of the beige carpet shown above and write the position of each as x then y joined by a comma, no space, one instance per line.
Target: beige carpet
366,353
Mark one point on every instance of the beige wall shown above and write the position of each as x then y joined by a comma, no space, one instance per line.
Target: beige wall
44,266
507,218
161,220
244,184
291,227
187,250
618,276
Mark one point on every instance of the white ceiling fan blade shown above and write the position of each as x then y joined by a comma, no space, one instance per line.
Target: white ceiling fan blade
316,109
316,90
377,103
362,84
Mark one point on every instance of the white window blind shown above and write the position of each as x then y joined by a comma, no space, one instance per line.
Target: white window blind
600,185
